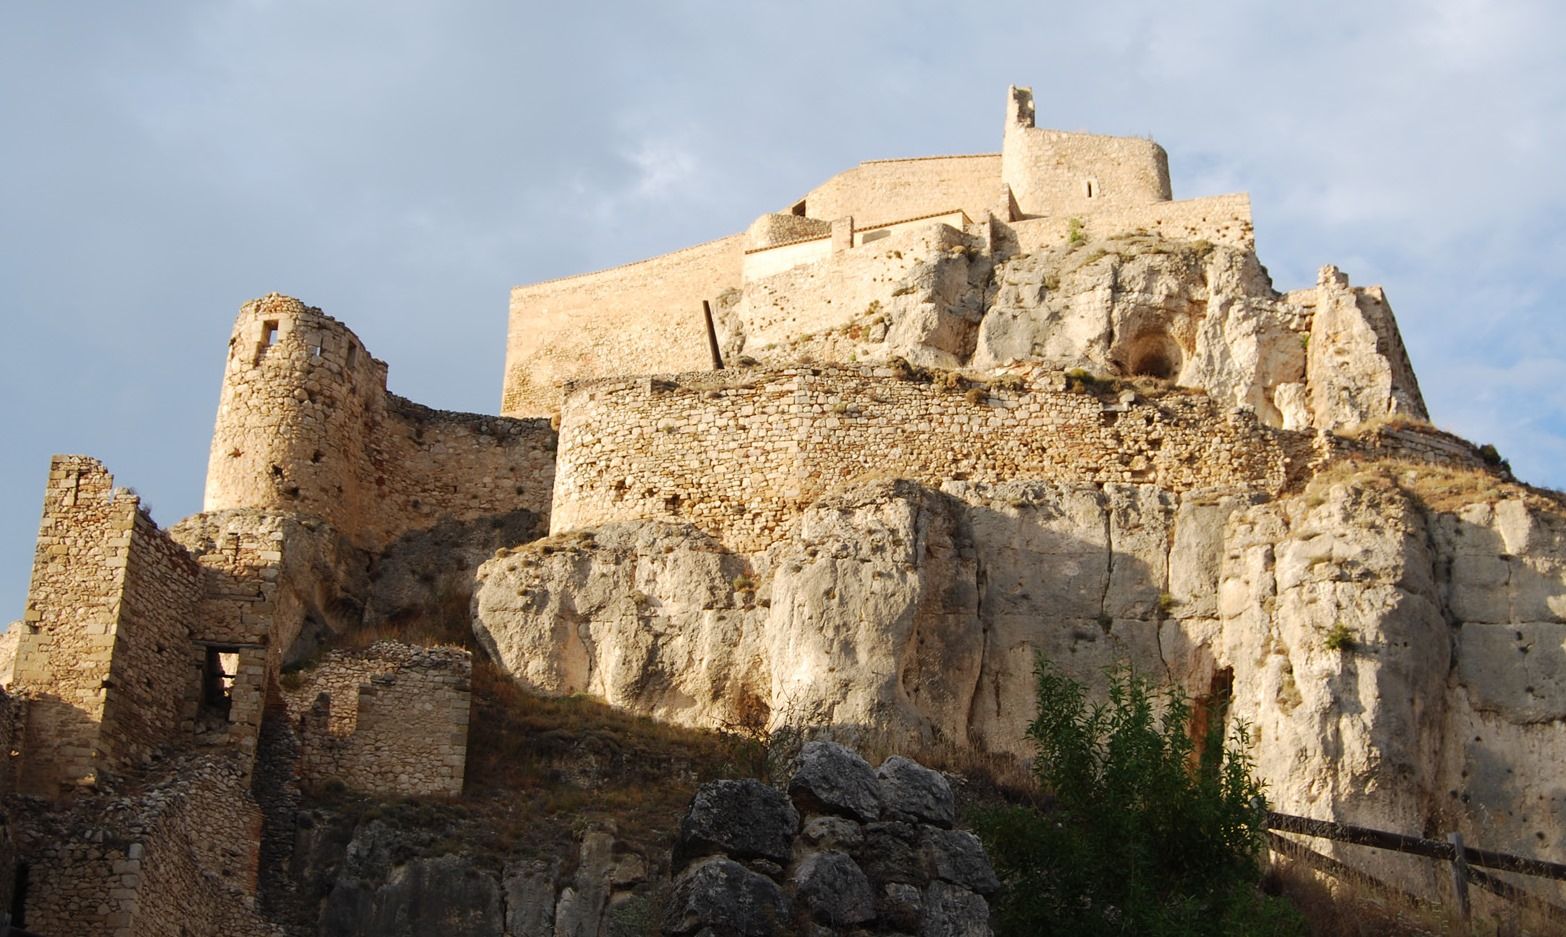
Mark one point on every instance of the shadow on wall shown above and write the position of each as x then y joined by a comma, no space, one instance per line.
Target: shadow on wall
59,746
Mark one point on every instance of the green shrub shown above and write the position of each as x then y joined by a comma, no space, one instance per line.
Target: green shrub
1146,834
1075,236
1339,638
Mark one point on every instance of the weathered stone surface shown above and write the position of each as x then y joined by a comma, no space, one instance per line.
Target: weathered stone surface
829,778
1358,369
890,853
445,895
579,912
901,906
958,857
743,819
645,616
832,833
910,791
722,895
833,890
530,897
954,911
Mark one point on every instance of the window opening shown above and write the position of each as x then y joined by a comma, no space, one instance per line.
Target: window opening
353,353
799,208
217,682
269,333
1092,189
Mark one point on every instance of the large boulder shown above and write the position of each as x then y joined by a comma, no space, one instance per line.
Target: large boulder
832,779
910,791
722,895
743,819
833,890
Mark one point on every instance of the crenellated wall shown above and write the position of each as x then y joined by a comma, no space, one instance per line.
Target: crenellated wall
305,426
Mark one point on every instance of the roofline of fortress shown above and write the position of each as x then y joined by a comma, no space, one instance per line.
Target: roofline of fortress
920,159
631,263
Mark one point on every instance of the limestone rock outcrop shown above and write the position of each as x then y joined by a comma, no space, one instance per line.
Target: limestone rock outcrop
1198,314
1394,642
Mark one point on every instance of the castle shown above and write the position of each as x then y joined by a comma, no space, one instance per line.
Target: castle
887,324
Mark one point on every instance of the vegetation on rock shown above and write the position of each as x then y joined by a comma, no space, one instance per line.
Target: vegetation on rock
1148,833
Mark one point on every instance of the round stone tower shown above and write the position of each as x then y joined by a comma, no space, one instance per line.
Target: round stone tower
299,393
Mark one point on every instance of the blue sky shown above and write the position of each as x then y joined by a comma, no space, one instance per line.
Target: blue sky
402,165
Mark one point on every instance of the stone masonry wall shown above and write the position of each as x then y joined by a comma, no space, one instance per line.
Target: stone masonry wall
740,453
389,720
639,317
1221,219
150,678
105,641
885,190
73,604
305,426
1053,172
177,859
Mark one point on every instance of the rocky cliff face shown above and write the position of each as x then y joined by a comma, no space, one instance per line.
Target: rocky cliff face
1395,646
1197,314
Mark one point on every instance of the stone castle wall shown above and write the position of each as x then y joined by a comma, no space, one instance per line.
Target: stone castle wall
305,426
150,677
740,453
104,651
1221,219
643,316
388,720
180,860
1053,172
880,191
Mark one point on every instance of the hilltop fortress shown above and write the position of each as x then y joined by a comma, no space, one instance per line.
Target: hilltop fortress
852,469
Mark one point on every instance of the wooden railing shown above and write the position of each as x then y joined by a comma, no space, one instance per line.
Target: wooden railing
1466,861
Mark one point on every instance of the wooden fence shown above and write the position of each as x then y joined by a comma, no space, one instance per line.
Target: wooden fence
1467,863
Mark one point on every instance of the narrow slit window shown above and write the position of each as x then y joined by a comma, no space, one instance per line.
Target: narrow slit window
353,354
1092,189
268,334
217,682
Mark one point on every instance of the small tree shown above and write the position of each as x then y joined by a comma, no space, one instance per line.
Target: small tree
1144,836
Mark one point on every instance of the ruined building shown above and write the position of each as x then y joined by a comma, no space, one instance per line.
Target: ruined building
853,468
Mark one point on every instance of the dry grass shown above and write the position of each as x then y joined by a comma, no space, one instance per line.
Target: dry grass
1436,487
1335,908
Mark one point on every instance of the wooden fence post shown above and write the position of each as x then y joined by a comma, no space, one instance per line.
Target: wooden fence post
712,337
1460,874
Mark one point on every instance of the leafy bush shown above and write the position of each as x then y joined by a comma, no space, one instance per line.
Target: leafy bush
1147,833
1339,638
